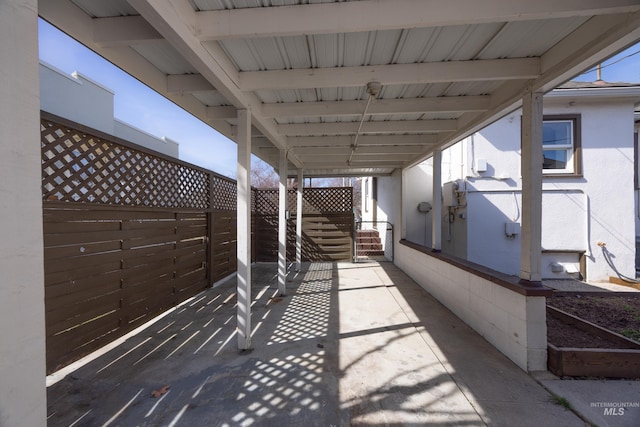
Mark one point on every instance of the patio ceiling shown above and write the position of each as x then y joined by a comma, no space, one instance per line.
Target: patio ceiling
446,67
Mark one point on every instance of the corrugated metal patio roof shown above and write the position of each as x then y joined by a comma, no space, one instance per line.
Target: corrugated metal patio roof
446,68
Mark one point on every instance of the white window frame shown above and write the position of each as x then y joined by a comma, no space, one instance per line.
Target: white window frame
571,148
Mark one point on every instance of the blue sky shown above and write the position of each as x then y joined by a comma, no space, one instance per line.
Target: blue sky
140,106
136,104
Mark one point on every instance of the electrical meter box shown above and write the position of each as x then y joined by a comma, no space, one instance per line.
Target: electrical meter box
449,194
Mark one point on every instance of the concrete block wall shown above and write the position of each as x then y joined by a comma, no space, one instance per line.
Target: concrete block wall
514,323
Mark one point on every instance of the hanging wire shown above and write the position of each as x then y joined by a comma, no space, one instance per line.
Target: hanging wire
614,62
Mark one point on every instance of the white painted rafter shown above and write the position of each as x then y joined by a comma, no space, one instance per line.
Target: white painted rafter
123,31
363,140
377,15
221,112
421,73
355,163
370,150
188,83
379,106
421,126
399,153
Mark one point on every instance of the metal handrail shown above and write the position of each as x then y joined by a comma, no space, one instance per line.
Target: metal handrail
358,226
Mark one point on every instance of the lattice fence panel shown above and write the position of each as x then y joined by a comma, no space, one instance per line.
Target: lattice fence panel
266,200
314,200
224,195
324,200
80,167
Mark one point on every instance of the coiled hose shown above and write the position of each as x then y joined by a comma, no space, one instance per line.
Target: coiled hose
607,257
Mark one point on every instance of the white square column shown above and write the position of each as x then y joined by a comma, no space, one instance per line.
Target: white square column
299,195
282,224
531,248
23,400
436,218
244,230
403,198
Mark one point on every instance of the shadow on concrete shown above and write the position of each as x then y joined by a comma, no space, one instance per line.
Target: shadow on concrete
501,393
190,359
351,344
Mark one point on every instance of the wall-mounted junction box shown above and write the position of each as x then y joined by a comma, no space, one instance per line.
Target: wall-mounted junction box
481,165
511,229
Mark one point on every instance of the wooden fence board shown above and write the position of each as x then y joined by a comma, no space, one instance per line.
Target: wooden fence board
80,313
79,227
149,224
103,214
85,334
52,253
80,273
82,262
142,277
64,299
152,258
161,287
85,285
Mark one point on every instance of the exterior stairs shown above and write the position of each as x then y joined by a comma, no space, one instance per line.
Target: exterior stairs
368,244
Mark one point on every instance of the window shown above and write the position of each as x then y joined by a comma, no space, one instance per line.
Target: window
561,145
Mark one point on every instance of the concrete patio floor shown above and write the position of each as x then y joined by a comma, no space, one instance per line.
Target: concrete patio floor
351,344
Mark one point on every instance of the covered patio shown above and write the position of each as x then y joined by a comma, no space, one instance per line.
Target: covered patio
358,88
353,344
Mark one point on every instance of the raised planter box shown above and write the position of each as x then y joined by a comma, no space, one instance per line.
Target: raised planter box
593,362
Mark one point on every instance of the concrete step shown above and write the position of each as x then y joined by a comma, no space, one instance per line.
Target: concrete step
364,253
370,246
368,233
368,240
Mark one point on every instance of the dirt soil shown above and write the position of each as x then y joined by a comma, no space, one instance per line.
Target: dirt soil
619,314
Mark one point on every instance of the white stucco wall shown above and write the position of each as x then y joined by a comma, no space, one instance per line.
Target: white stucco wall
130,133
389,202
387,207
22,346
578,212
608,175
76,98
418,183
82,100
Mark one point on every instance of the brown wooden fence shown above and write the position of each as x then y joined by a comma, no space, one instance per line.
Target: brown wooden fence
327,224
108,270
128,233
